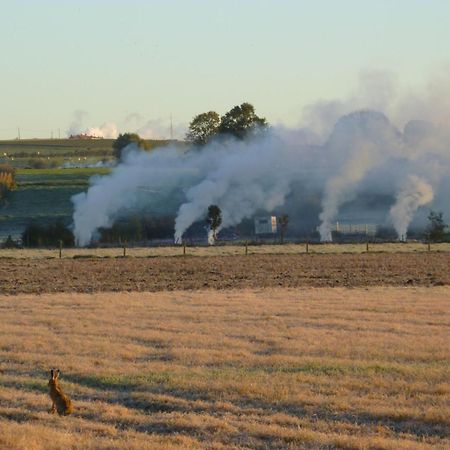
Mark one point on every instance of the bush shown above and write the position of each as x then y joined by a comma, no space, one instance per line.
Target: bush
10,243
124,140
7,179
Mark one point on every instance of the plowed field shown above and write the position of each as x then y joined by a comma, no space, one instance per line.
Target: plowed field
223,272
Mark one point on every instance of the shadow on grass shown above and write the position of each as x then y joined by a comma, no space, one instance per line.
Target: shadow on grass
26,385
191,400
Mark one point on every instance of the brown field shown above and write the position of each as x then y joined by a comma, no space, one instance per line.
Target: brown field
252,368
39,275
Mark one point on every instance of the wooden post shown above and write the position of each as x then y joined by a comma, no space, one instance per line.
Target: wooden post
367,246
60,248
307,246
246,247
184,248
124,250
429,246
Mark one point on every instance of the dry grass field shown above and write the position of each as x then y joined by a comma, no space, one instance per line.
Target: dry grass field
252,368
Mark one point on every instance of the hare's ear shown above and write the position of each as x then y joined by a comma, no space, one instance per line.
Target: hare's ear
58,372
51,373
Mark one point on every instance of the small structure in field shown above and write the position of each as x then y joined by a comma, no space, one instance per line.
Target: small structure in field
265,225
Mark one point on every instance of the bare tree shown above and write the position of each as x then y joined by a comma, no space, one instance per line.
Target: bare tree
283,222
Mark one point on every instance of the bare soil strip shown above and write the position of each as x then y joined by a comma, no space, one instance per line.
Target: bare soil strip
231,272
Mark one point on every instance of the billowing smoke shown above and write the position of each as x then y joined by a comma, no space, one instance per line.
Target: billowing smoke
338,163
241,177
415,193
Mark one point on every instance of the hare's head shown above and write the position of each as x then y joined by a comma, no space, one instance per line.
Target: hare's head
54,375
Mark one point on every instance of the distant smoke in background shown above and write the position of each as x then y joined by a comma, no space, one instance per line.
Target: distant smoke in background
415,193
157,129
344,152
108,130
76,125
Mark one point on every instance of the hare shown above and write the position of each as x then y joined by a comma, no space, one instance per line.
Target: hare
61,403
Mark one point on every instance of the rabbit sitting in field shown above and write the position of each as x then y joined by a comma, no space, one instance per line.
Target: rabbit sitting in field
61,403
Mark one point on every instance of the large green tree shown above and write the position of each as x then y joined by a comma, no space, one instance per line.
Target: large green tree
241,121
125,139
203,127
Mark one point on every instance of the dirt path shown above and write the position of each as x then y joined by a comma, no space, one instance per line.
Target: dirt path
252,271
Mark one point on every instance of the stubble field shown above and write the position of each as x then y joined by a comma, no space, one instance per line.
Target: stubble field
260,368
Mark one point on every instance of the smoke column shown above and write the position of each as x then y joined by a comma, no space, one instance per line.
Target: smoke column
341,188
360,142
415,193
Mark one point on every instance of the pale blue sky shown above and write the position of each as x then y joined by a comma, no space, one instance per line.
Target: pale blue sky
112,58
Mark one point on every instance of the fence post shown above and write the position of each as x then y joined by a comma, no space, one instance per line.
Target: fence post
246,247
60,248
307,246
184,248
429,246
367,246
124,250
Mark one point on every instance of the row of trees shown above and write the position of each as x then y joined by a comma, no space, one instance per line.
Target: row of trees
134,229
49,235
146,228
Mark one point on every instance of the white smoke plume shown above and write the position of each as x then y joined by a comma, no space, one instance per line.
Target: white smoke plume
337,160
415,193
211,238
360,142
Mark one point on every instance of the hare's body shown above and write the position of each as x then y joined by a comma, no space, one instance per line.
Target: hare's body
61,403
